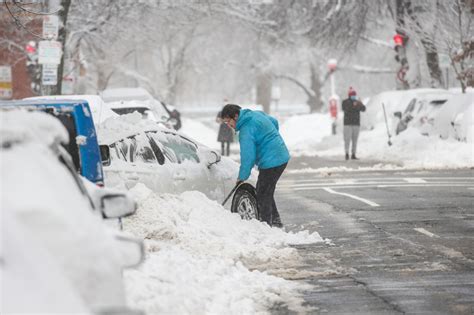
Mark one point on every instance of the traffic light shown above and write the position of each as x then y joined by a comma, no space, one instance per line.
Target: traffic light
400,39
32,66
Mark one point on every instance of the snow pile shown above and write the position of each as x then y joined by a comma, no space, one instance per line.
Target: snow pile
199,255
409,149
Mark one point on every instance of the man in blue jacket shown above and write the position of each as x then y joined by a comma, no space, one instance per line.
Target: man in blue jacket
260,144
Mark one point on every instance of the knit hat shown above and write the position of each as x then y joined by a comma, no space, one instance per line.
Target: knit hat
352,92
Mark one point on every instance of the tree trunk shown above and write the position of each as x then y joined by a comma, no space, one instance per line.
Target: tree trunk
433,63
430,49
264,90
314,101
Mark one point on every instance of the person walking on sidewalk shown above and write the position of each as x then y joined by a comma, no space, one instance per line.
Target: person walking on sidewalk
260,144
352,108
225,135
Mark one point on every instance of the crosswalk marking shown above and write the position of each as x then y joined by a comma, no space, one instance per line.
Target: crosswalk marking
413,180
426,232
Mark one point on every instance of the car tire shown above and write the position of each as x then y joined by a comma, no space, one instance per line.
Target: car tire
245,204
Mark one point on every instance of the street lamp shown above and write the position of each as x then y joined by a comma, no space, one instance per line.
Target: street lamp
332,65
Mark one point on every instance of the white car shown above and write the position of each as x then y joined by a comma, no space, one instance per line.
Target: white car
455,119
128,100
41,188
420,112
167,161
394,101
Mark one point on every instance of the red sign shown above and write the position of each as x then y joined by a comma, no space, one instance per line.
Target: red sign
333,108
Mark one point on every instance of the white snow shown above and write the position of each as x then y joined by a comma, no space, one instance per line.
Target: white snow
202,258
310,135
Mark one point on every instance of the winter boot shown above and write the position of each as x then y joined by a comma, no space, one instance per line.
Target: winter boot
347,156
277,222
353,157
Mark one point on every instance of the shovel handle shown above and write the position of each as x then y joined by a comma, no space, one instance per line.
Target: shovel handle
231,192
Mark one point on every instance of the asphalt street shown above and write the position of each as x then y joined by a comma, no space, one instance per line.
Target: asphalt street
401,242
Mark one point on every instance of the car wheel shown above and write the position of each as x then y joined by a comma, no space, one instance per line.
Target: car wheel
245,204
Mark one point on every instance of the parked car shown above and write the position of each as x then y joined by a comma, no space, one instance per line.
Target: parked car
421,111
32,280
128,100
394,101
167,161
454,119
82,143
40,186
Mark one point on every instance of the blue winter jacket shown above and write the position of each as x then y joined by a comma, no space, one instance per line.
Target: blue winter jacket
260,142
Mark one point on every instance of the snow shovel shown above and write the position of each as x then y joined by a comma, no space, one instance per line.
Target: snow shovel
386,124
231,192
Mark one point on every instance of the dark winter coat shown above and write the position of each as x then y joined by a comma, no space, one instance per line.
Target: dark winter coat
226,134
352,109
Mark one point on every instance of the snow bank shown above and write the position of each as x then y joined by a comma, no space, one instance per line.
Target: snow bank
308,136
200,256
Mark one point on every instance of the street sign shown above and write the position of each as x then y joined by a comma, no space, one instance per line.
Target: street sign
50,26
49,76
444,61
50,52
6,90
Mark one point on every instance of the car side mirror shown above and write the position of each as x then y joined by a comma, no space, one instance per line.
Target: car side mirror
132,250
398,115
105,154
212,158
117,206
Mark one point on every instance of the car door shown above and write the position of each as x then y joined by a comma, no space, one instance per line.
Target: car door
188,171
134,161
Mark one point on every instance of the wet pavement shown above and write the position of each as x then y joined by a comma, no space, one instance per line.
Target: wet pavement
402,242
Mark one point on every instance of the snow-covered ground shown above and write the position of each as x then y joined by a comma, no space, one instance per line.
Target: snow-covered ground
310,135
202,259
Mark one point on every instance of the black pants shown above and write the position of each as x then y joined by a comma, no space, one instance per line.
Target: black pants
225,144
266,183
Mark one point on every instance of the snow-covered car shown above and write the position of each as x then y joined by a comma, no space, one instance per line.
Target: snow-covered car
128,100
455,119
420,111
40,187
168,161
75,115
32,280
394,101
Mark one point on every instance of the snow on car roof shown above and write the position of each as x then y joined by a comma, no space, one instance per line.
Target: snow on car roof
117,128
19,125
123,126
100,111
